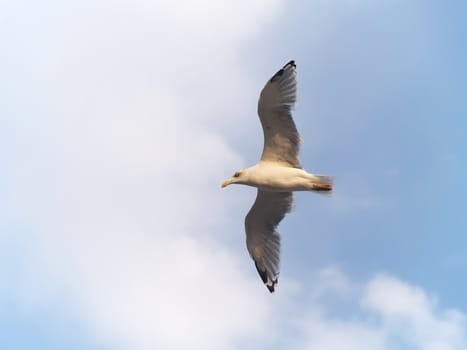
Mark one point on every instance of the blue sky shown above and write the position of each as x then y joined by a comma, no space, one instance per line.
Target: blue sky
120,120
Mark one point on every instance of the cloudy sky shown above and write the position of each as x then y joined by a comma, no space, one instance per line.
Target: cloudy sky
120,119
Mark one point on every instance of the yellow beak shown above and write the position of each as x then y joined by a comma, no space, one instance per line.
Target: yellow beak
226,183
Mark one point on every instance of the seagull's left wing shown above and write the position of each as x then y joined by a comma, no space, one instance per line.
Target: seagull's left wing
278,97
262,239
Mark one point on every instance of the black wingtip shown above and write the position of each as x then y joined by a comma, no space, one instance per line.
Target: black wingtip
270,284
271,287
262,274
291,63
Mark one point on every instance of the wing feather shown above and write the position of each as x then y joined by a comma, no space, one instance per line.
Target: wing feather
277,99
262,239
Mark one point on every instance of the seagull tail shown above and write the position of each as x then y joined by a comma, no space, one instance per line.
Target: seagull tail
321,183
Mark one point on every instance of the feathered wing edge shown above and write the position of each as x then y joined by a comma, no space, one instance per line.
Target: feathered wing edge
263,241
277,99
270,272
287,84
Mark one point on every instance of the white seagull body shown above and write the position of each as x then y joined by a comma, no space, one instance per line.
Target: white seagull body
277,175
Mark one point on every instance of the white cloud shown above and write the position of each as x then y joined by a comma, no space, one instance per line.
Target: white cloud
385,313
408,311
113,206
328,334
115,164
332,281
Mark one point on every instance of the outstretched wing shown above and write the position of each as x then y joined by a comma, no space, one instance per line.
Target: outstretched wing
277,99
262,239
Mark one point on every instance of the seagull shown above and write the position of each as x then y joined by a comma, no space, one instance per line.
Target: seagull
277,175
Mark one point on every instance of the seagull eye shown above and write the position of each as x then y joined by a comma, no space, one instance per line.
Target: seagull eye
237,174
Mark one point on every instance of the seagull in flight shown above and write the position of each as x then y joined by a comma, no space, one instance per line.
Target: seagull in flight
277,175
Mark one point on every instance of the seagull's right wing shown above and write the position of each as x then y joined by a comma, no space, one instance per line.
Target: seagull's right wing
281,138
262,239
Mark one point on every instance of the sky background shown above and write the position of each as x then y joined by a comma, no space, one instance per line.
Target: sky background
119,120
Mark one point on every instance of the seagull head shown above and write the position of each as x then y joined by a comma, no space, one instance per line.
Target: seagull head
238,177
